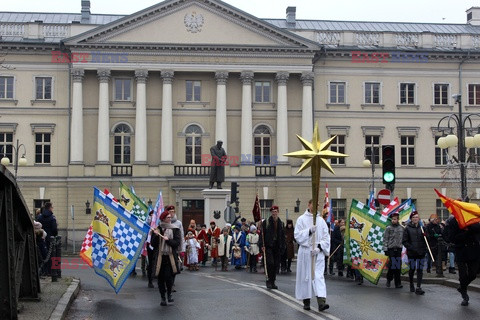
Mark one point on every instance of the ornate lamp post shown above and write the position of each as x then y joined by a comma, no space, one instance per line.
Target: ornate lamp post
460,140
17,162
371,163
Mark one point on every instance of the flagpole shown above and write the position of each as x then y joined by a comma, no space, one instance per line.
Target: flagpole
425,238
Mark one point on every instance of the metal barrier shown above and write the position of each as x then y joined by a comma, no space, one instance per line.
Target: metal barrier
18,263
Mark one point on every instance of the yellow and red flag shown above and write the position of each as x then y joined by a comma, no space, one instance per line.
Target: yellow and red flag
466,213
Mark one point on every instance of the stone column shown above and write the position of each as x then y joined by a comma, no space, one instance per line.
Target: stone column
141,118
246,128
221,114
76,129
166,155
282,117
103,128
307,106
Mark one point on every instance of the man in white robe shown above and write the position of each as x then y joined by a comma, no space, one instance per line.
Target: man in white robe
305,233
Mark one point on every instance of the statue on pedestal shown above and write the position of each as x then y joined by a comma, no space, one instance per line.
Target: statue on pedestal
217,172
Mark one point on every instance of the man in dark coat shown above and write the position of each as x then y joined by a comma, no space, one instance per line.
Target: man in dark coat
49,225
467,253
414,241
335,241
273,245
434,232
219,157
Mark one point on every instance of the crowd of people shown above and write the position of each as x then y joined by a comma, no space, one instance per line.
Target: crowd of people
271,243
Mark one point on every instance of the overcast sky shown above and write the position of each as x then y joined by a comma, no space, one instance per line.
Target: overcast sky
447,11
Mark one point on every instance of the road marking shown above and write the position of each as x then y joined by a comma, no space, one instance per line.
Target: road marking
292,302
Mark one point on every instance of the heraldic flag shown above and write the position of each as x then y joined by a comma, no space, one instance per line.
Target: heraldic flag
465,213
133,203
117,240
363,246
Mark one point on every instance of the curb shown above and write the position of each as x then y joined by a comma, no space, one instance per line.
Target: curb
445,282
66,300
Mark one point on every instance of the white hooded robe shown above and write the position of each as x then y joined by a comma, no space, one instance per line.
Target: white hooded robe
304,283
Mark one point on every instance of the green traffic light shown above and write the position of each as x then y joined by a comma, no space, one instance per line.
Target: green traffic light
388,176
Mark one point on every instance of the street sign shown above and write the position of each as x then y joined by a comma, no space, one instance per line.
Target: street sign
383,196
229,214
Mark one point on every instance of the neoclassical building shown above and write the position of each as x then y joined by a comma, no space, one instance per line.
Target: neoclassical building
94,99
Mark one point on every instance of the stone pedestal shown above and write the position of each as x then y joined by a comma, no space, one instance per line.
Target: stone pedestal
215,200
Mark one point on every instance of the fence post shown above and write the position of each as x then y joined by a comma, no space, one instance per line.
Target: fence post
53,271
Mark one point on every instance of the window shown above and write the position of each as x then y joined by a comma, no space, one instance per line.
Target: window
193,144
265,205
262,91
338,145
193,90
337,92
440,94
6,87
372,142
261,138
123,89
6,145
407,93
372,92
121,144
339,208
474,94
407,150
441,211
440,154
43,88
42,148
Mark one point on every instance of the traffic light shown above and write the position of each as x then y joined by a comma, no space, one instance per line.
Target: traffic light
234,192
388,165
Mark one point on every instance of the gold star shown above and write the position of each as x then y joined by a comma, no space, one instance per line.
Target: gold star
316,156
365,245
110,242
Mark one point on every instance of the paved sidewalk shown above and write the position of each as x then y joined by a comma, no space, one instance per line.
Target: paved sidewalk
55,299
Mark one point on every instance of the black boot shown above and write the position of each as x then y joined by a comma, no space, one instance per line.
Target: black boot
419,291
465,297
150,284
452,270
269,284
274,286
164,301
306,304
169,298
322,305
412,287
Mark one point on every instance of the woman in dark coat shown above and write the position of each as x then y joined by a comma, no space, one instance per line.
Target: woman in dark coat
414,241
289,238
165,239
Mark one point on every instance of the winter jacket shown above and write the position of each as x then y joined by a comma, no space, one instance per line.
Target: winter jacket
49,224
336,239
466,241
393,237
414,241
434,232
271,240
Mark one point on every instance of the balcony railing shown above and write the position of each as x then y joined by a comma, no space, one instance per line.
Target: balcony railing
191,171
121,171
265,171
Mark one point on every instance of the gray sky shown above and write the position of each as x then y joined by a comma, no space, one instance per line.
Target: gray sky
447,11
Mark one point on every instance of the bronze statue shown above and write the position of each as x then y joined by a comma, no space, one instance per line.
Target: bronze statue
217,172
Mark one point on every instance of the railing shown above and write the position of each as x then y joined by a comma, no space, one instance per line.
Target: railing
191,171
121,171
56,30
12,29
265,171
18,264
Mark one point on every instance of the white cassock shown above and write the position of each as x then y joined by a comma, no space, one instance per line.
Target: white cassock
304,283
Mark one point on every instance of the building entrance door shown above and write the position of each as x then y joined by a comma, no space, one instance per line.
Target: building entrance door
192,209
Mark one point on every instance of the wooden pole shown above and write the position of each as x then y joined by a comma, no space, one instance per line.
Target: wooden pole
425,238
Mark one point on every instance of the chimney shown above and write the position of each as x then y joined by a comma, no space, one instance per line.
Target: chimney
473,16
291,19
85,11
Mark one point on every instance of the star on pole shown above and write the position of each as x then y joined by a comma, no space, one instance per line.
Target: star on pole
316,156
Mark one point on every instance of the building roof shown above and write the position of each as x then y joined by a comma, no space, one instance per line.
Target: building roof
55,18
365,26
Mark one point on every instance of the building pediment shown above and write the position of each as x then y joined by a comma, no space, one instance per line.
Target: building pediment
191,23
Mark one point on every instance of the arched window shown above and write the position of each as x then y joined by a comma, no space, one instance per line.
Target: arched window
121,144
262,138
193,144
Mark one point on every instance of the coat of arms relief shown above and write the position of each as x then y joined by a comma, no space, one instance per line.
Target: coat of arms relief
193,22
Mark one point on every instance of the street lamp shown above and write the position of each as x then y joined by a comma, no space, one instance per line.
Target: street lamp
22,162
460,140
297,207
371,163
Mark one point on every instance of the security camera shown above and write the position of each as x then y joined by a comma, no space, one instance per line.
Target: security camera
457,97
